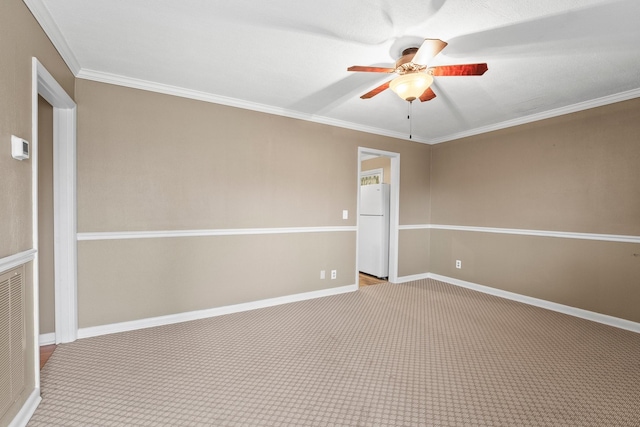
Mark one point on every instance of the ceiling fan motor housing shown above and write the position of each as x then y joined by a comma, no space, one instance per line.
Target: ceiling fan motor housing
404,65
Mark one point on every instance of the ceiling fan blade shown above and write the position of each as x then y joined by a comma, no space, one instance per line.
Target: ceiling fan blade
429,49
458,70
371,69
376,91
427,95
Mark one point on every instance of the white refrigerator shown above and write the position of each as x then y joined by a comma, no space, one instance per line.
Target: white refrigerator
373,230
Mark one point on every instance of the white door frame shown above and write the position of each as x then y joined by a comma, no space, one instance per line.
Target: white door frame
64,203
394,208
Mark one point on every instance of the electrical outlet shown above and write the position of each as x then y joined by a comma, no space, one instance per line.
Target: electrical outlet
458,263
334,274
322,274
345,214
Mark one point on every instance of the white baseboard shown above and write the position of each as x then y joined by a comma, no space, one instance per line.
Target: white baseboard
46,339
24,415
561,308
212,312
405,279
218,311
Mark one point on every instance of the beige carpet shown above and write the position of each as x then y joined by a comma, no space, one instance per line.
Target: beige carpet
419,354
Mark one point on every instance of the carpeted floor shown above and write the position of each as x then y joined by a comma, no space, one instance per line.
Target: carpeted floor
423,353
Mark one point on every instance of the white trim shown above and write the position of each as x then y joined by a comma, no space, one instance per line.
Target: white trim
94,331
50,89
412,278
24,415
46,339
561,308
415,227
524,232
542,233
574,108
48,24
35,269
118,80
65,209
117,235
64,199
15,260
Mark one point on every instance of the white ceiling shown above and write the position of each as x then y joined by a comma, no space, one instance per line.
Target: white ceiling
290,57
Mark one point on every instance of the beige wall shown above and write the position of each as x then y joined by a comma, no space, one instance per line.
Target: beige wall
383,163
148,161
415,188
575,173
598,276
154,162
142,278
21,38
414,245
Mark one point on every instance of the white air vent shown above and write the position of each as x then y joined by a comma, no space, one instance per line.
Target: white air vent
12,337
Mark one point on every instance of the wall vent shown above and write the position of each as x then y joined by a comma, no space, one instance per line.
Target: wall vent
12,337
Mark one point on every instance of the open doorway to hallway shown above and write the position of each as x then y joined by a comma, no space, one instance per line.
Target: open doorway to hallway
378,188
46,259
54,239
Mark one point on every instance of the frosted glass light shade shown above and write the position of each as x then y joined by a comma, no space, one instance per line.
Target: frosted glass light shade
411,86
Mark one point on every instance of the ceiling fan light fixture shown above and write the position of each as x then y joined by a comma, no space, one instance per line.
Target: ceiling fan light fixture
410,86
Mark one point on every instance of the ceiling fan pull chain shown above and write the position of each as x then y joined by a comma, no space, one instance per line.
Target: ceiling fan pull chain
410,121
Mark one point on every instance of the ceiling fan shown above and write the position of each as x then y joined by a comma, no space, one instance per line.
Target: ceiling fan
415,76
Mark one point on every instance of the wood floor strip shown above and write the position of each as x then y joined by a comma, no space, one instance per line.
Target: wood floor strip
45,353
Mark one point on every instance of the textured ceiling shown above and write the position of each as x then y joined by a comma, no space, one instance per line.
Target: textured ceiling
290,57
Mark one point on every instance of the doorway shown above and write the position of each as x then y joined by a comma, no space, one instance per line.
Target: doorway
380,167
63,138
46,259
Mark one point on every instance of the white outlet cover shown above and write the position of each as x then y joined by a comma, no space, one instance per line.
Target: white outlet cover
322,274
345,214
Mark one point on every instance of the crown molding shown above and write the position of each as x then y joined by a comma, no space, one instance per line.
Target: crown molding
574,108
119,80
46,21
